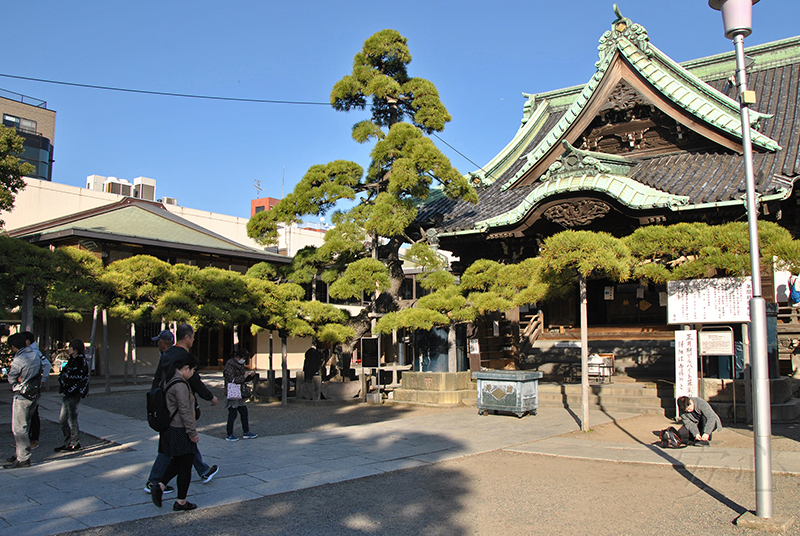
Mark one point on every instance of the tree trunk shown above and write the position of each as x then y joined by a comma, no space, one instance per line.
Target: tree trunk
91,338
452,356
133,351
127,354
106,359
284,371
27,309
271,372
584,356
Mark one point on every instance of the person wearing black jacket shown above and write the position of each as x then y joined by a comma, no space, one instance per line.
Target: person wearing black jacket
166,369
73,383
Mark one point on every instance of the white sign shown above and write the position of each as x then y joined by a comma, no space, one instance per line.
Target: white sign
686,363
708,301
716,342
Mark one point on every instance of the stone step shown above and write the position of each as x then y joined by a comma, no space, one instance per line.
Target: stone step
575,406
649,390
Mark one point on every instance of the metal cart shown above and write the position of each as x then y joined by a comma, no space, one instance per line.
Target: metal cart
513,391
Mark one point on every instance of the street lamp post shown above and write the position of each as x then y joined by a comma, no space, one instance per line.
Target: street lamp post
737,19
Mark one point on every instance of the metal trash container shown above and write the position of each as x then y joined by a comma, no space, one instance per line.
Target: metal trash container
513,391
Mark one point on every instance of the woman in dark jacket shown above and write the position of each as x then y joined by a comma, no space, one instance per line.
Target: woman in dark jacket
180,440
236,379
73,383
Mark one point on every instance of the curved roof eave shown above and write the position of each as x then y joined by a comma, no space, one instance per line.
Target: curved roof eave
627,191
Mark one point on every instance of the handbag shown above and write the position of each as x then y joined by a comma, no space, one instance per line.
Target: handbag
234,390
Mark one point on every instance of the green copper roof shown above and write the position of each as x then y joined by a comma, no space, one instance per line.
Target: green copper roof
136,222
669,78
627,191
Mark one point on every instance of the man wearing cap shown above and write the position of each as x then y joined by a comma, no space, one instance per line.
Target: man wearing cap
170,353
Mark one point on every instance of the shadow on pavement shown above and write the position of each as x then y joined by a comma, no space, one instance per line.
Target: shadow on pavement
684,471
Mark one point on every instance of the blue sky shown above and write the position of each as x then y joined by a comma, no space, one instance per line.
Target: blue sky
207,154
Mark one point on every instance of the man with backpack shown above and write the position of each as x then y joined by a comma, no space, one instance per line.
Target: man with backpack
170,354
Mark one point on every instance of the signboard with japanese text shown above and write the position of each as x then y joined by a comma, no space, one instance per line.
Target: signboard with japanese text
686,363
716,342
709,301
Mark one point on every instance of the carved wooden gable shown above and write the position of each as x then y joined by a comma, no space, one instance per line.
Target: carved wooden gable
630,124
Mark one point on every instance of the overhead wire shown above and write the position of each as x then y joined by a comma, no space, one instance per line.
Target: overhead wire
164,93
206,97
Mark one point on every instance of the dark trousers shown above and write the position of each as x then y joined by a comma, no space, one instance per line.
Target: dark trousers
68,419
180,466
35,426
242,411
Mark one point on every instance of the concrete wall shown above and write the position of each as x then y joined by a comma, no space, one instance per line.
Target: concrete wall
296,349
43,200
45,119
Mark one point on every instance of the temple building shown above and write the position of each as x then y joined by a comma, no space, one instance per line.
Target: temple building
645,141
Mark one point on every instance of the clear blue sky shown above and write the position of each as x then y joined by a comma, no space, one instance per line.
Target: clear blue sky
207,154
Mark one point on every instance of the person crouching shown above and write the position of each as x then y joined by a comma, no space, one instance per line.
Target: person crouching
699,421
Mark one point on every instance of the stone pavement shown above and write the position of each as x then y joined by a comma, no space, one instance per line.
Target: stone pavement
105,486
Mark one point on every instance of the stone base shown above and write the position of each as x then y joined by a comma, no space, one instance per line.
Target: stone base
776,523
433,397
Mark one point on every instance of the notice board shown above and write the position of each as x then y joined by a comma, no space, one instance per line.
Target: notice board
709,301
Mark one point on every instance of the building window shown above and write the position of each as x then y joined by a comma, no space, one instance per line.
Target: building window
259,208
146,332
25,125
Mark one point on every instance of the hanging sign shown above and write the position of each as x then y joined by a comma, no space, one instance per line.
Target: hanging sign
686,363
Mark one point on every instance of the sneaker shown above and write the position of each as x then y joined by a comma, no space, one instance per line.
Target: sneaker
34,445
249,435
185,506
213,470
16,464
12,458
156,495
231,438
148,489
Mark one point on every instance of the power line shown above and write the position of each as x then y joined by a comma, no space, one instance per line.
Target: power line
164,93
207,97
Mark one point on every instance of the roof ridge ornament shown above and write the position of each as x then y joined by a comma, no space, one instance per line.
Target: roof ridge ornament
623,28
574,161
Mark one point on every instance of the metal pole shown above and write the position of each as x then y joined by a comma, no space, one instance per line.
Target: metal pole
762,419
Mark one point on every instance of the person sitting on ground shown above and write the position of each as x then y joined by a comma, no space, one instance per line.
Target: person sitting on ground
699,421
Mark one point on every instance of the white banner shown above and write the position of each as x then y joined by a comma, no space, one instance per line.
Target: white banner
686,363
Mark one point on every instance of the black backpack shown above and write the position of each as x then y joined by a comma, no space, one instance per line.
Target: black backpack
670,439
158,416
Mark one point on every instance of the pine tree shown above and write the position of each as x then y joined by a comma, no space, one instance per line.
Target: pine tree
362,251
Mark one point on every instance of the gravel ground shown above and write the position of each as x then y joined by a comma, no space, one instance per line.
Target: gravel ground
490,494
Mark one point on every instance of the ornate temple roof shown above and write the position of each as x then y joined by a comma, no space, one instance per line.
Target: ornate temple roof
646,133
